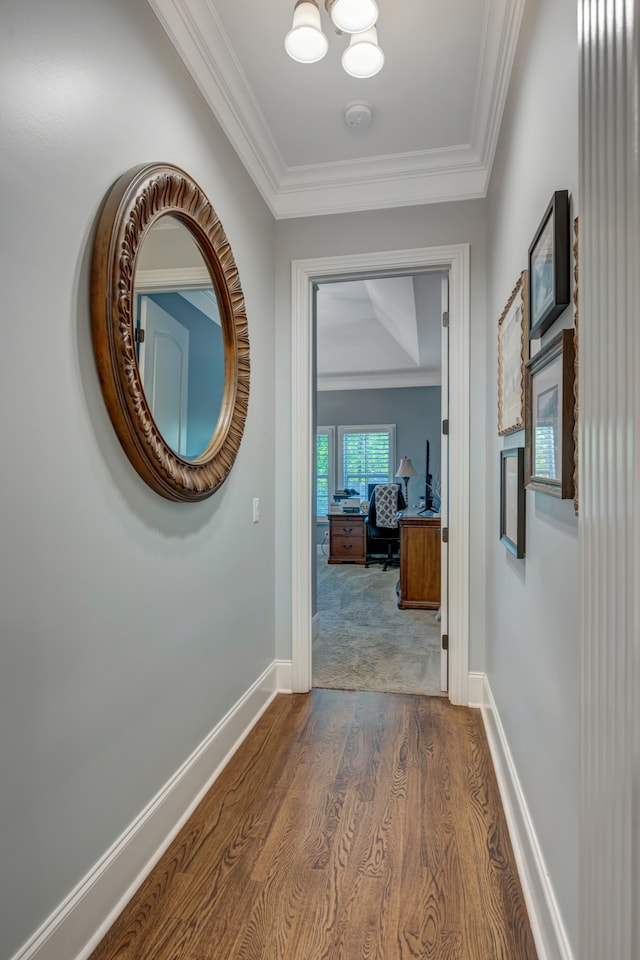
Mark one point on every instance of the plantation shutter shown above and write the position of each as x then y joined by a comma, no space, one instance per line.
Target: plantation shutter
322,474
366,458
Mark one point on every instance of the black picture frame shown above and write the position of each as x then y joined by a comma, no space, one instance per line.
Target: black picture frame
549,266
512,501
550,418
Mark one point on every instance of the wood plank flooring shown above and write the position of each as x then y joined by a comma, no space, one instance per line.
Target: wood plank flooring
349,826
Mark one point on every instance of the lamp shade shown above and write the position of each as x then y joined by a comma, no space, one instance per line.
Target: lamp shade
306,42
354,16
363,57
406,469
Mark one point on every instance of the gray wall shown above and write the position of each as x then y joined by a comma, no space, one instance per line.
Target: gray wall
533,648
414,410
125,631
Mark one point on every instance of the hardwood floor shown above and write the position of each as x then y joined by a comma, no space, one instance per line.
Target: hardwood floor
349,826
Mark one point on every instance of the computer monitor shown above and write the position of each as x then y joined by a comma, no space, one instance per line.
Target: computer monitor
428,492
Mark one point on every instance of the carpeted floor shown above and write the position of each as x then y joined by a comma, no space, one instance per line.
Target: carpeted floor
365,642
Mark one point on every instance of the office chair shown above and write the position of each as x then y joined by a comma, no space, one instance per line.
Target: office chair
383,529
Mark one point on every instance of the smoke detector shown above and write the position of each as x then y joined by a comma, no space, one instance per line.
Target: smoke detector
358,116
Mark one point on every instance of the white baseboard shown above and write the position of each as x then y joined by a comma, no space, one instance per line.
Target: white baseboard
76,927
80,922
284,676
544,913
475,689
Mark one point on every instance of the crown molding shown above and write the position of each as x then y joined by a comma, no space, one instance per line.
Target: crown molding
170,278
499,41
431,176
379,381
198,36
400,180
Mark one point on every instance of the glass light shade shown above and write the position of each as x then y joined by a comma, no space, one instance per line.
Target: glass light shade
363,57
306,42
354,16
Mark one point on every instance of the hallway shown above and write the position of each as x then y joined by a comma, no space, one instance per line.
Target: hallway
347,825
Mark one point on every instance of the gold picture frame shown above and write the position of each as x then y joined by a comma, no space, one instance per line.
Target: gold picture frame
513,348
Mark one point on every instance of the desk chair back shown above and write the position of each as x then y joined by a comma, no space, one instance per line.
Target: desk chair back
386,500
383,529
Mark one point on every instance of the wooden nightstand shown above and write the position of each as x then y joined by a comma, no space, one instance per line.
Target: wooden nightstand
347,540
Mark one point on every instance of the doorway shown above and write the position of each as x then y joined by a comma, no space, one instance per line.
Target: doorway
378,400
454,259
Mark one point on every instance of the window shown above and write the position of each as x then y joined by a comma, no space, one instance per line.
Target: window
325,443
366,455
545,450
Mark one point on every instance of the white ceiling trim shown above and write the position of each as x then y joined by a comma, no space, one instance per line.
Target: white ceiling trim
374,183
393,166
168,278
198,36
379,381
379,193
400,180
499,42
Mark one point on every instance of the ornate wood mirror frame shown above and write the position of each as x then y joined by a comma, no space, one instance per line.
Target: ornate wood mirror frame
134,204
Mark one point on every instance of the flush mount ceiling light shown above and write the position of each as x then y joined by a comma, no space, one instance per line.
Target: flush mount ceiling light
363,57
353,16
306,42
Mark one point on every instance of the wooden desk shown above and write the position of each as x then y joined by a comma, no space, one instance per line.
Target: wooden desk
347,539
419,586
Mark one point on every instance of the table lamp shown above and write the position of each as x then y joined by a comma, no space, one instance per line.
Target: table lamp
404,471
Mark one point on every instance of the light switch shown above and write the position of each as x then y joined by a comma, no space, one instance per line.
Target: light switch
256,509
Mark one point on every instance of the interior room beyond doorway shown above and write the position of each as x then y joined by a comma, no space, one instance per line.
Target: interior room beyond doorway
378,353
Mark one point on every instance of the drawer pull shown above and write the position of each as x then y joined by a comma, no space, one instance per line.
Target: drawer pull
347,546
347,529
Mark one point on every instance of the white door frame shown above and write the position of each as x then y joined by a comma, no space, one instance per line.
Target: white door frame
444,484
304,273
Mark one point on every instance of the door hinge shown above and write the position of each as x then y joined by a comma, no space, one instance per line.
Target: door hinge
445,319
138,335
445,641
445,428
445,534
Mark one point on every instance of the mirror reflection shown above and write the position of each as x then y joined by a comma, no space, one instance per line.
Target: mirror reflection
179,337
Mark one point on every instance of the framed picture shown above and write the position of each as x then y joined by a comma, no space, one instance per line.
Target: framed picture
576,497
549,273
512,500
513,350
550,415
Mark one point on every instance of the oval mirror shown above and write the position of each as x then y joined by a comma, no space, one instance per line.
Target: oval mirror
178,336
170,332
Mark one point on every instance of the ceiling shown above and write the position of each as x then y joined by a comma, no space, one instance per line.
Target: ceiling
437,106
379,332
437,103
